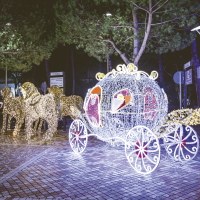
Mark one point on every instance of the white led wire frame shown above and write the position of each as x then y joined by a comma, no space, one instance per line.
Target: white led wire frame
117,124
139,124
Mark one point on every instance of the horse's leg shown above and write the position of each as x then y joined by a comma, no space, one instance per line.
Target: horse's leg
16,129
3,130
9,122
40,122
18,125
52,127
29,130
36,125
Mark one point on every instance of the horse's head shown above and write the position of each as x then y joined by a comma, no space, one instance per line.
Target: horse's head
28,89
56,91
6,92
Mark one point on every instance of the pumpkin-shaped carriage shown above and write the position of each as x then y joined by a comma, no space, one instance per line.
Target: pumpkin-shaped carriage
128,107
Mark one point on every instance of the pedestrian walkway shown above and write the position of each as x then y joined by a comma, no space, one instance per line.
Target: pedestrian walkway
53,171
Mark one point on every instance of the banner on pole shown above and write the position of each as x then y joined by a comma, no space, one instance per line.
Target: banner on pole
198,72
188,77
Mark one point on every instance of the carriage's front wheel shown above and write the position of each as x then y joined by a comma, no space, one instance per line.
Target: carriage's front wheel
182,143
78,136
142,149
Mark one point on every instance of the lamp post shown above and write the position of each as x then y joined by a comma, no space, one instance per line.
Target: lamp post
6,32
6,77
108,14
196,63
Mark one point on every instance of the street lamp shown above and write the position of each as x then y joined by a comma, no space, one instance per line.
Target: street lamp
108,14
197,29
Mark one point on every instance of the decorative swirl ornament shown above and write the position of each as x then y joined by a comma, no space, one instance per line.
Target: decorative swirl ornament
129,69
142,150
182,143
78,136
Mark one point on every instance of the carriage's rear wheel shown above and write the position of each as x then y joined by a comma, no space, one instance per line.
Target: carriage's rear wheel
78,136
142,149
182,143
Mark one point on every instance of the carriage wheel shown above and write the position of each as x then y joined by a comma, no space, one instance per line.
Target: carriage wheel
142,149
78,137
182,143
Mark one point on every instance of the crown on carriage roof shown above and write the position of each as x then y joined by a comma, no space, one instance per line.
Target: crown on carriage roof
126,69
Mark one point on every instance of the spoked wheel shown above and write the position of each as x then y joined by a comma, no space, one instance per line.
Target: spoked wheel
78,136
142,149
182,143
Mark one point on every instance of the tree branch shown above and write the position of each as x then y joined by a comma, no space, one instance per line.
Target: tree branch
147,32
128,39
122,27
140,7
160,6
122,55
156,4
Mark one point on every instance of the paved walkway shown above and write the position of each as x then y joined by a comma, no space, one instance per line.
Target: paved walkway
54,172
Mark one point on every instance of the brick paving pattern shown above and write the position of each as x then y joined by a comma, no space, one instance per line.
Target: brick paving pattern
53,171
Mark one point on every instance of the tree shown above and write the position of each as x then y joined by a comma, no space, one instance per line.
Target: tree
135,27
26,33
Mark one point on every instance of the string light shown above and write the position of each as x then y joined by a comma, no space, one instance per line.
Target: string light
39,106
127,106
13,107
124,98
66,105
184,116
124,106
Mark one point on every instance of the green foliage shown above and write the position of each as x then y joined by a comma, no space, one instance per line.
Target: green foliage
85,24
37,26
26,34
172,32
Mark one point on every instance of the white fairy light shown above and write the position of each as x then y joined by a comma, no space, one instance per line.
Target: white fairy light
128,98
37,107
13,107
66,105
128,106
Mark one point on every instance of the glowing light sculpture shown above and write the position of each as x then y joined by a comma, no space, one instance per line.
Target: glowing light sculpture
128,107
142,149
78,136
37,107
66,105
13,107
182,143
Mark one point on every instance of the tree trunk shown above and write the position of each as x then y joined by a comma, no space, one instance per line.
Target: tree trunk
46,63
109,63
73,70
146,35
135,33
161,71
121,54
196,65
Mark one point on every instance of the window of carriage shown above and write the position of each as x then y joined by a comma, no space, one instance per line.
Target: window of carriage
92,108
150,104
120,100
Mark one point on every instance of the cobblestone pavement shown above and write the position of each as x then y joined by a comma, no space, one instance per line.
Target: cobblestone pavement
53,171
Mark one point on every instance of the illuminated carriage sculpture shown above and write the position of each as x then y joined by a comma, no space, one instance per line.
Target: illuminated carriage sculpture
128,107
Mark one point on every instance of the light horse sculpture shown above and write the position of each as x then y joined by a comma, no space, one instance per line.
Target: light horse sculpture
66,105
13,107
39,106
